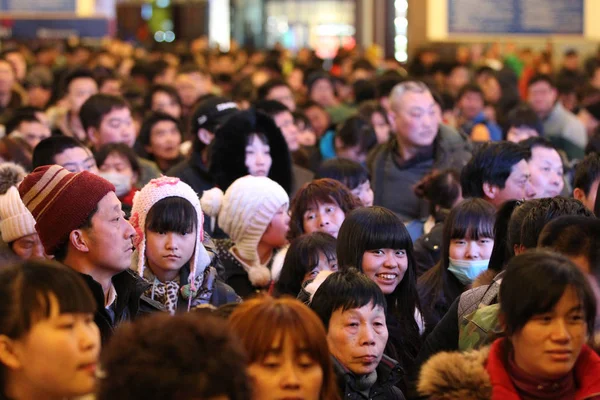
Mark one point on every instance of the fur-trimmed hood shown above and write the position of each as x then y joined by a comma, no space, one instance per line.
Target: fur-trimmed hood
229,149
454,376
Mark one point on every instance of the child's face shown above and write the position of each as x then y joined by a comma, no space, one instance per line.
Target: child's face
167,252
323,217
165,139
364,193
258,157
59,354
119,164
276,233
325,264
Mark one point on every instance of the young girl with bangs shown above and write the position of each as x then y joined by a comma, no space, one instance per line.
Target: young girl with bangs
170,254
468,240
305,258
49,343
374,240
321,206
286,344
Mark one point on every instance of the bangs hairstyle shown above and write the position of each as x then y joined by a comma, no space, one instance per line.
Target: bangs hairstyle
301,258
544,276
253,322
472,219
319,191
33,287
346,290
172,214
370,228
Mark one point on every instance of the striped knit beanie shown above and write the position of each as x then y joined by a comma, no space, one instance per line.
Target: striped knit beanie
61,201
152,193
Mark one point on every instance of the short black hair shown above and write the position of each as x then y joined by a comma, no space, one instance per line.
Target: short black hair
19,116
364,90
355,131
541,78
574,235
302,257
345,290
539,141
523,116
587,172
469,88
543,276
348,172
97,107
263,91
155,69
515,221
61,250
169,90
386,83
152,119
546,210
123,150
172,214
362,63
492,164
271,107
191,367
77,73
47,149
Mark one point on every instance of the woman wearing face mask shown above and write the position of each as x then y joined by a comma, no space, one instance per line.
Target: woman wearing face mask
542,355
468,240
118,165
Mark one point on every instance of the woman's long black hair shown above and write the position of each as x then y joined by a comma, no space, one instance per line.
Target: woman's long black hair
369,228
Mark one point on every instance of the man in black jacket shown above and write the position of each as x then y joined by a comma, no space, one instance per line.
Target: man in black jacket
80,222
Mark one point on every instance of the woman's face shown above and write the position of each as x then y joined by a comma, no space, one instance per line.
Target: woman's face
119,164
381,126
165,139
325,264
258,157
549,344
58,356
385,267
286,372
364,193
323,217
471,249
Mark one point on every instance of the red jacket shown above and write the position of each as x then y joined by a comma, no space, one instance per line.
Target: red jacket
587,375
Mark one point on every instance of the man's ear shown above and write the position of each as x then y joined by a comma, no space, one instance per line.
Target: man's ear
79,240
8,353
205,136
93,135
579,194
489,190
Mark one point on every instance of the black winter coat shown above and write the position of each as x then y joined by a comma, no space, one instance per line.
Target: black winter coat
389,373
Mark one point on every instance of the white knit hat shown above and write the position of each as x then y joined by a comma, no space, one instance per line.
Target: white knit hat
244,212
15,219
153,192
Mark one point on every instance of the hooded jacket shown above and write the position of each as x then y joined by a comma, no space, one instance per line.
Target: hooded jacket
479,375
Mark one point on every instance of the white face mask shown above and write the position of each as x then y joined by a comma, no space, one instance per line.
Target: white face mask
467,270
121,182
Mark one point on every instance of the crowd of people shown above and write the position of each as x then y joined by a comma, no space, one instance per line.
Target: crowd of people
189,224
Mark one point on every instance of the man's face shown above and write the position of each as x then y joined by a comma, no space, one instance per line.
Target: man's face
190,87
116,127
546,170
110,238
541,97
33,132
77,159
588,200
517,186
7,77
322,93
285,122
283,94
470,105
357,337
416,121
79,91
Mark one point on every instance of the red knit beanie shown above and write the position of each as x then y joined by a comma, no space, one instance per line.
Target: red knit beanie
61,201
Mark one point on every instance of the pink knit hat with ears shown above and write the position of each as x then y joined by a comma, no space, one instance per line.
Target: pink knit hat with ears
152,193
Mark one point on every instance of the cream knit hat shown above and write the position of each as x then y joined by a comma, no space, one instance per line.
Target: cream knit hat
244,212
15,219
152,193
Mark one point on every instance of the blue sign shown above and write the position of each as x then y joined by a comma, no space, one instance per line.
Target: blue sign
536,17
53,28
38,5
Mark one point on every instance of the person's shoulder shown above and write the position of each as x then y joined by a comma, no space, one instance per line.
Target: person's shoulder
180,169
455,375
449,136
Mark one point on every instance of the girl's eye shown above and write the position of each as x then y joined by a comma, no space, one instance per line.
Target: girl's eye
400,253
334,267
313,273
377,252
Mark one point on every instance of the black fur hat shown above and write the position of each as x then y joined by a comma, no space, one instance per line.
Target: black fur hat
228,153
